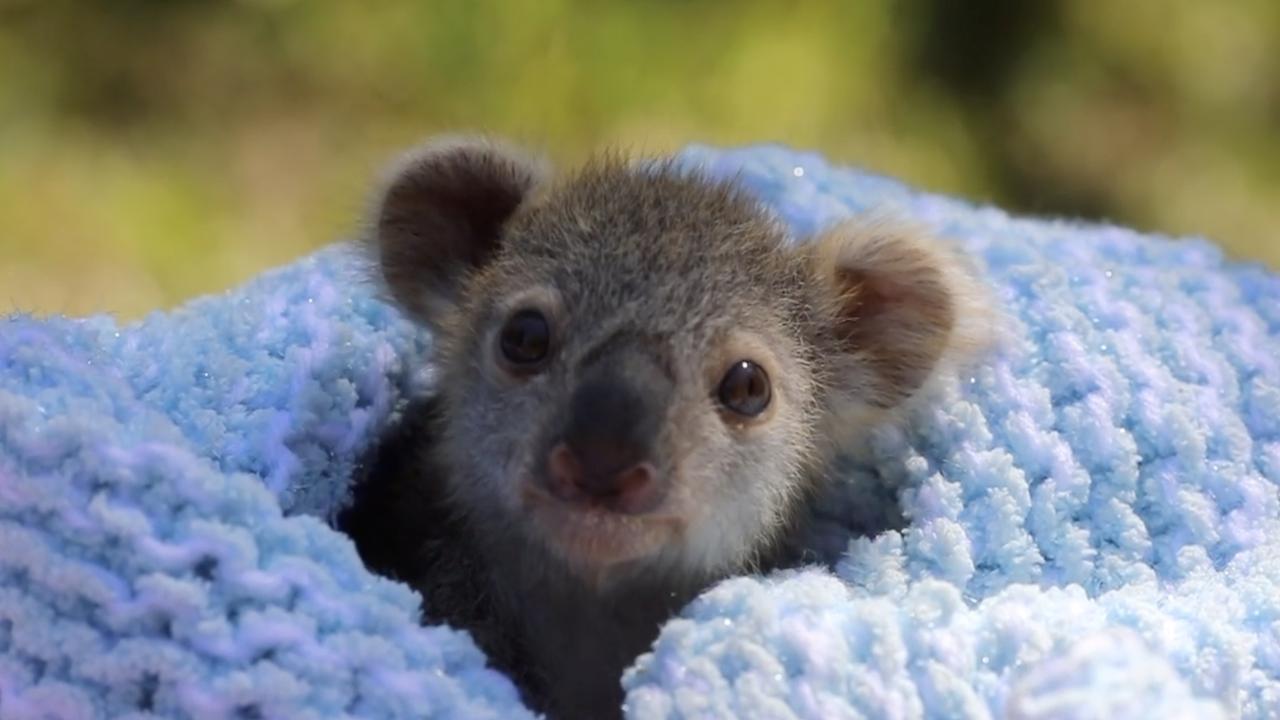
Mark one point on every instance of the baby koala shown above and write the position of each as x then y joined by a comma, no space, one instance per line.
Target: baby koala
641,380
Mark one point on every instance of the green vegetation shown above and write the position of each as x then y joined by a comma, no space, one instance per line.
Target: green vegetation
155,149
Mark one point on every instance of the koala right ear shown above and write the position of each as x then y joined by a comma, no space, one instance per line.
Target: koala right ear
441,216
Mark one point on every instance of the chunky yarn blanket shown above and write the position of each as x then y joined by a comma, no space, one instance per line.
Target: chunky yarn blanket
1087,525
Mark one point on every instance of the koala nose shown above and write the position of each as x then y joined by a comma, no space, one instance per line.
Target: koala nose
597,477
604,452
603,475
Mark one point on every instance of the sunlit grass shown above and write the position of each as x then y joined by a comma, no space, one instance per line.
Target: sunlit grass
152,151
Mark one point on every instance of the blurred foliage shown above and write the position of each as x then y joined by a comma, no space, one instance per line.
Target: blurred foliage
155,149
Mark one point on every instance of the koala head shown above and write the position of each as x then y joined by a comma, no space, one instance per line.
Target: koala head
638,368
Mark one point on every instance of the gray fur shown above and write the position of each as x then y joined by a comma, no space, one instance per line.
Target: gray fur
621,255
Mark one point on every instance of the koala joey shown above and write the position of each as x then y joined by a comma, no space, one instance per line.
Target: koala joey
640,382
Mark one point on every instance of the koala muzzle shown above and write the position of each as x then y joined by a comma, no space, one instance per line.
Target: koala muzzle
606,454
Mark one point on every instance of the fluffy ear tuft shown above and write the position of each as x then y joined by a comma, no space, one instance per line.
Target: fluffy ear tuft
441,215
901,305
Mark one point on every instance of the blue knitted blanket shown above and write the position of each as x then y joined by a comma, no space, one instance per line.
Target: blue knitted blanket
1086,526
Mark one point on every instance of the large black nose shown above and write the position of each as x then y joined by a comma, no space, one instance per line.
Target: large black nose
607,451
634,488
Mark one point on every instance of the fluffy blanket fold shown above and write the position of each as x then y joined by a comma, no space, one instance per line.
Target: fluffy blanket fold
1090,522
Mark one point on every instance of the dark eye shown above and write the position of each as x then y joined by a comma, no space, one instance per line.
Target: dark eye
525,339
745,389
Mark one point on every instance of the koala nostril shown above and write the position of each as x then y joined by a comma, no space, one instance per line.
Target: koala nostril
564,473
637,490
633,479
630,490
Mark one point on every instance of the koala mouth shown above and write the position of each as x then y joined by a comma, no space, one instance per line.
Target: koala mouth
591,536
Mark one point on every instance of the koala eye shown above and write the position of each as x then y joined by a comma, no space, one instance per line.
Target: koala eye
525,339
745,389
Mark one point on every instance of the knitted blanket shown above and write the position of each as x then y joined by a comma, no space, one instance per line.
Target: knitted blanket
1086,526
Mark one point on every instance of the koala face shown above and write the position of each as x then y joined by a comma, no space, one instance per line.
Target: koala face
637,368
627,375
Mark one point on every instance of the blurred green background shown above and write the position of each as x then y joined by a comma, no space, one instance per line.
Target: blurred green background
151,150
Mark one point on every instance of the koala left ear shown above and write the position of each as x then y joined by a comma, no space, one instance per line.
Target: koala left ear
899,304
442,216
